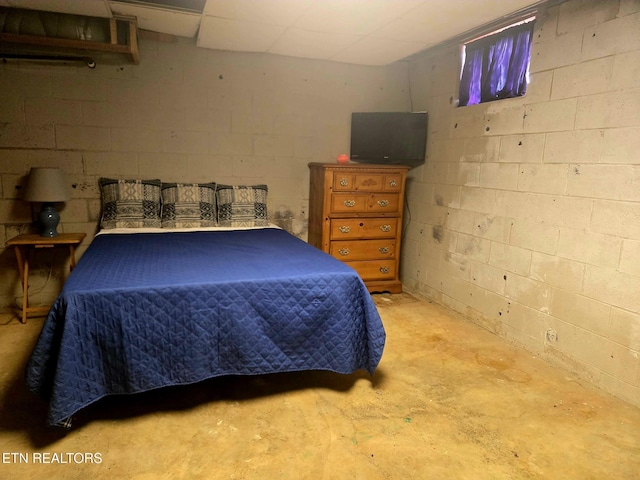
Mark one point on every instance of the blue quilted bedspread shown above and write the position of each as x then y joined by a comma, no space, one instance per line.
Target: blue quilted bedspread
143,311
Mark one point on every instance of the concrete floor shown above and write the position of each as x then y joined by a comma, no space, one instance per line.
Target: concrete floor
449,401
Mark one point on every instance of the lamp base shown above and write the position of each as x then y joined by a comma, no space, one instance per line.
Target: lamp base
49,219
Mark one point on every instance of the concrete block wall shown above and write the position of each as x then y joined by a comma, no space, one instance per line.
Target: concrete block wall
183,114
526,216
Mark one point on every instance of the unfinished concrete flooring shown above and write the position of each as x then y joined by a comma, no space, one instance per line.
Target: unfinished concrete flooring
449,401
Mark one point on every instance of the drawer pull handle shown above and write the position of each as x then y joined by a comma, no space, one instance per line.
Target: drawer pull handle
344,229
344,182
349,203
384,269
383,249
344,252
393,183
385,228
383,203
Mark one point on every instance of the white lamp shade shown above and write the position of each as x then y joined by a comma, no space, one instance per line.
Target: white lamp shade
46,185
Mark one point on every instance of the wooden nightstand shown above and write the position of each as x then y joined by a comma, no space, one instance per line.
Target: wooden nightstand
22,243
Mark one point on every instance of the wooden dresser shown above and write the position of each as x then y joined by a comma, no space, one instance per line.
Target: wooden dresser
355,214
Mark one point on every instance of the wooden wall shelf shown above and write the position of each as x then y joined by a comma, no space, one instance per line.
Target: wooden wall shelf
129,48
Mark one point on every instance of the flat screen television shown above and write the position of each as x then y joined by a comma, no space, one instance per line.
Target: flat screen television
396,138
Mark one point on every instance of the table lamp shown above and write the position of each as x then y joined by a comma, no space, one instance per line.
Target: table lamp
47,185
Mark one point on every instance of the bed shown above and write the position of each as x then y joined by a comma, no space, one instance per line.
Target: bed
151,308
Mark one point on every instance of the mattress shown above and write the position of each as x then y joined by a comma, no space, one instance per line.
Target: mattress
148,310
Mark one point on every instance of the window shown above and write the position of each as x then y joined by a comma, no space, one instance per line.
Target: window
496,66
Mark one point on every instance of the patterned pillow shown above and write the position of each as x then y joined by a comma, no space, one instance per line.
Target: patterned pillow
242,206
130,203
188,205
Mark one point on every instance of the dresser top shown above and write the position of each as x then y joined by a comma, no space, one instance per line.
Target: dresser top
358,166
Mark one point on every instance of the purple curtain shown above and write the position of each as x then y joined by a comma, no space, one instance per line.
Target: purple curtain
496,66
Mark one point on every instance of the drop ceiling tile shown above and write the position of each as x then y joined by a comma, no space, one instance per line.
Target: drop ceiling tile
302,43
91,8
161,20
359,17
224,34
273,12
426,22
378,51
437,20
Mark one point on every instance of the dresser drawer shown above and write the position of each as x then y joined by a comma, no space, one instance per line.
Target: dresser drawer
365,203
349,228
392,182
348,251
375,269
349,202
383,202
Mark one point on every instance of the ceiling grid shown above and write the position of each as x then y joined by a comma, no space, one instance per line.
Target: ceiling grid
365,32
